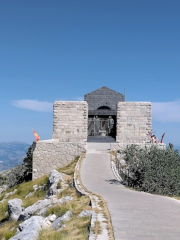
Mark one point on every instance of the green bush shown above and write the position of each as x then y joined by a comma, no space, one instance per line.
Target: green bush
152,169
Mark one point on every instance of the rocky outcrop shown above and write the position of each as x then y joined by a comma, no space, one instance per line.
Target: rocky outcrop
40,207
29,211
14,208
35,188
53,181
31,225
29,229
52,217
59,221
85,213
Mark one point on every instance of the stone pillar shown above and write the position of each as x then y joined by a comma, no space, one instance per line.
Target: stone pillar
70,121
133,122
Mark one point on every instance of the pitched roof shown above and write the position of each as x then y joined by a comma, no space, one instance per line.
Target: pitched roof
104,90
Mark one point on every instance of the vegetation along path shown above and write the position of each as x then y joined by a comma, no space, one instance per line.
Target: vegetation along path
135,215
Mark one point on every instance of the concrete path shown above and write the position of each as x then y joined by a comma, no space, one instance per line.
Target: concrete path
135,215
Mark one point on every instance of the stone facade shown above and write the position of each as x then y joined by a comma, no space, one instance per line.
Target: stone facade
70,127
133,122
53,154
70,121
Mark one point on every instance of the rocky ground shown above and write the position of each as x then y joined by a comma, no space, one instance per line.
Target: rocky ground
46,208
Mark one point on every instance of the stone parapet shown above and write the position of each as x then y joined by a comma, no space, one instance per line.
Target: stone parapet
119,146
133,122
53,154
70,120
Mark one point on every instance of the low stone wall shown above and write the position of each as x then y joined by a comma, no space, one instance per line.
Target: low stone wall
119,146
52,154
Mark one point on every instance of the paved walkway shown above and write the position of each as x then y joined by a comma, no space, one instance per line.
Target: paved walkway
135,215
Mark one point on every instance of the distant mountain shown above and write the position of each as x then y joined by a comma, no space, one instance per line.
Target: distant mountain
12,154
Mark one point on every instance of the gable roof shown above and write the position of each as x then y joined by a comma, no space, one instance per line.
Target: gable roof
104,90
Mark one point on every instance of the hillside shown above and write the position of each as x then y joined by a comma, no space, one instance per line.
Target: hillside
46,208
12,154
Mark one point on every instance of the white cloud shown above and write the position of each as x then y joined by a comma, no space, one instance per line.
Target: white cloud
79,98
166,111
34,105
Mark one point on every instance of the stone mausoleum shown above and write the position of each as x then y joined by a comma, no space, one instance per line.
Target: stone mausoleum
104,114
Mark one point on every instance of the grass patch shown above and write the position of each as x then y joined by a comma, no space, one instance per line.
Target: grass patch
97,228
38,195
114,153
8,229
70,168
77,205
3,207
76,229
22,190
105,211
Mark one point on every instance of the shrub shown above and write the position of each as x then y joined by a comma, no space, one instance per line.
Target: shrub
27,163
152,169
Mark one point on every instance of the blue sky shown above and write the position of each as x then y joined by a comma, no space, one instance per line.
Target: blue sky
63,49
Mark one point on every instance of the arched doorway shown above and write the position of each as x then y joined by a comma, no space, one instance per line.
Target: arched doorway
102,123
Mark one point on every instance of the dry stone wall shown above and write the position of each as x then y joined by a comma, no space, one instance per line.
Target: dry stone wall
70,121
119,146
133,122
53,154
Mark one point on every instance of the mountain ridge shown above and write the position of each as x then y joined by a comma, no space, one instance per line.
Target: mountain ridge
12,153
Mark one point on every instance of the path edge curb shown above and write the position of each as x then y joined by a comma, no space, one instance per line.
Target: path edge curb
94,203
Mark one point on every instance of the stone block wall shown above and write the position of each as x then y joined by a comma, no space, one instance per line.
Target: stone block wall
133,122
53,154
118,146
70,121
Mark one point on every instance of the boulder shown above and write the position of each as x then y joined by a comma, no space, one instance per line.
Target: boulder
85,213
29,194
59,221
65,199
14,208
5,187
122,162
53,180
35,187
46,224
55,201
29,229
39,205
52,217
63,226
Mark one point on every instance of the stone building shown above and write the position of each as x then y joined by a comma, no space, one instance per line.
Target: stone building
103,114
102,103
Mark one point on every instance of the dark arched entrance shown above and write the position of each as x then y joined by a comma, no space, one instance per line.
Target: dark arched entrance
102,103
102,122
